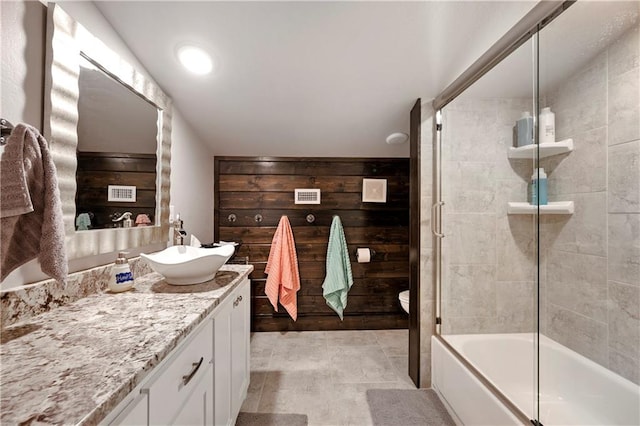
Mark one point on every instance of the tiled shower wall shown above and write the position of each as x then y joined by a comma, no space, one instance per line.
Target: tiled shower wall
488,272
591,291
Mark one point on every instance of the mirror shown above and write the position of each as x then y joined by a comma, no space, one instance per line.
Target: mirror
117,142
72,50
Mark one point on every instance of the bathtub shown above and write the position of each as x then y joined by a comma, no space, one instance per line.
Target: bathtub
573,389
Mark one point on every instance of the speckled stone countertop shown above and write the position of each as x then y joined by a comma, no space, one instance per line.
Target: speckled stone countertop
75,363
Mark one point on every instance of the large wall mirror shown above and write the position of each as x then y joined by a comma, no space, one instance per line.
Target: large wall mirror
109,129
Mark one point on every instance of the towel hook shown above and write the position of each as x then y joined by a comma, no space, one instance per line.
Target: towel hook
311,218
5,130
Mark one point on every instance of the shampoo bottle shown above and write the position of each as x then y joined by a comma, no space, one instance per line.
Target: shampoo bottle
538,188
547,126
121,277
524,129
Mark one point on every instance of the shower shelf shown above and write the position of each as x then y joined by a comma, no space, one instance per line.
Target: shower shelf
554,207
546,149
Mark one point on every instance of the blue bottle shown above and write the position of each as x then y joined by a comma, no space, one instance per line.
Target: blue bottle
538,188
524,130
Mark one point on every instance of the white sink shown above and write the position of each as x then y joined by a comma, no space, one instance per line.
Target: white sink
183,265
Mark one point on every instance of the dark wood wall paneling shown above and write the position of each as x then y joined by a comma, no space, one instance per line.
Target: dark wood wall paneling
246,187
97,170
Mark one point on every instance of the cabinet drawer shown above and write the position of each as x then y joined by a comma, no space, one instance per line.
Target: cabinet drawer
170,388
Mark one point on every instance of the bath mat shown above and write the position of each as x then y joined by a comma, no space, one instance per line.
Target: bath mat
408,407
271,419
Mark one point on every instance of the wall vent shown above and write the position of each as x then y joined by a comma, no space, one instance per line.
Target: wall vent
307,196
122,193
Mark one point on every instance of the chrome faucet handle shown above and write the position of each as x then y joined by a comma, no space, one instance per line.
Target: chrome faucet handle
178,232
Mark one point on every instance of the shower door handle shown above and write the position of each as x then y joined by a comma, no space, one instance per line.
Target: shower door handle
434,209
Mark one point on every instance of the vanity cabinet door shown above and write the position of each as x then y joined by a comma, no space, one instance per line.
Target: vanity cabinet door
135,413
222,363
240,327
231,352
198,409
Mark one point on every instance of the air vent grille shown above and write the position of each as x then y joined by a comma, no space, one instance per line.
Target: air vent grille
121,193
307,196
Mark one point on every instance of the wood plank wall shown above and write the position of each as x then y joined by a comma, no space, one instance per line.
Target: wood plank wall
248,186
97,170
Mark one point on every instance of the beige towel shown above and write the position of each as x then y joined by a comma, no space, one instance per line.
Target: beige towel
31,223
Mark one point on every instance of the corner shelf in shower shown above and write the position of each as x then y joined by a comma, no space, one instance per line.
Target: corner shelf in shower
546,149
554,207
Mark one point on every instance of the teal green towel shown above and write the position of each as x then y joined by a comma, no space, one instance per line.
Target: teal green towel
339,280
83,222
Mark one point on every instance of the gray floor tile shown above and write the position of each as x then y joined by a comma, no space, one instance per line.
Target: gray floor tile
317,379
318,406
325,375
351,338
360,364
256,383
299,358
401,365
260,364
394,342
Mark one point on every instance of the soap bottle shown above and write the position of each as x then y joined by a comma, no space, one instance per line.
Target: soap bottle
524,128
547,126
538,188
121,277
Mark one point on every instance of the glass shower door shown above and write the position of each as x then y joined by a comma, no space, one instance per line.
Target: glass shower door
589,74
489,264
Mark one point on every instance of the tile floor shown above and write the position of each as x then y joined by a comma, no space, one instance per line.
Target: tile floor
325,374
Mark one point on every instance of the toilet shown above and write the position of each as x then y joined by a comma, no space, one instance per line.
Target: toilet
404,300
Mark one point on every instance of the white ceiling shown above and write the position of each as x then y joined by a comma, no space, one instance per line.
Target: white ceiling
309,78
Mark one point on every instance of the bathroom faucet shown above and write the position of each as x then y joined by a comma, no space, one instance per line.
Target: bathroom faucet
125,218
178,232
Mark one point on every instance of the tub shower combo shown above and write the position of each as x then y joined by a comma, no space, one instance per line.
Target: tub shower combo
537,223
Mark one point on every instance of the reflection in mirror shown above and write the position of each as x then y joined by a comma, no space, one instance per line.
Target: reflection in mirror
68,44
117,143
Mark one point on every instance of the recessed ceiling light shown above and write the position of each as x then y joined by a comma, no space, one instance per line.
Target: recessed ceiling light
397,138
195,59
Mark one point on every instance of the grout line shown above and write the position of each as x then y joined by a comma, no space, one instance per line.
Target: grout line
264,383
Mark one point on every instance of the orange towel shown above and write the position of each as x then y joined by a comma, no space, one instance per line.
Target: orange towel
282,267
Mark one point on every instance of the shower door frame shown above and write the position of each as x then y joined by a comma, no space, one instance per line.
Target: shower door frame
527,28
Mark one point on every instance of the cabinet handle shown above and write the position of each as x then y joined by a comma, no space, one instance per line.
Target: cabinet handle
196,365
237,301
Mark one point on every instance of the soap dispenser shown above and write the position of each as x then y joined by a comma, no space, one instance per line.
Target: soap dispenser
121,277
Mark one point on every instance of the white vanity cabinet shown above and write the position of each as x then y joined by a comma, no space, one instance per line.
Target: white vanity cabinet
204,380
231,351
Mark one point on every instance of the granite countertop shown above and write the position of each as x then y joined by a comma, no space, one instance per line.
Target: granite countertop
75,363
